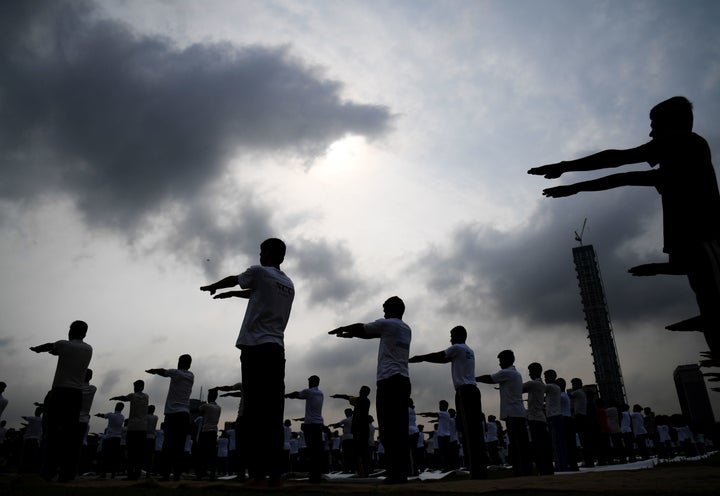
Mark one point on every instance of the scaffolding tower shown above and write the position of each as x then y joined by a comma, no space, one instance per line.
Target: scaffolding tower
597,317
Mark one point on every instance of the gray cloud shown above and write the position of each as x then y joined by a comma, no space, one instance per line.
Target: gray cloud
529,273
128,123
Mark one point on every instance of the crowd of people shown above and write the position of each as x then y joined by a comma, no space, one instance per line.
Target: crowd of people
559,429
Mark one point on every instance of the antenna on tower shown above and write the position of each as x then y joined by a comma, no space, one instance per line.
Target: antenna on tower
578,237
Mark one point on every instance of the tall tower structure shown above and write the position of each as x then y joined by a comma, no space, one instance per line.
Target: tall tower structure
597,317
693,396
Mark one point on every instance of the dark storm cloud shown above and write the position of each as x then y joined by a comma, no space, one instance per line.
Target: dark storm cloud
530,274
125,122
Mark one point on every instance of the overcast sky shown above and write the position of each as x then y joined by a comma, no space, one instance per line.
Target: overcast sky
148,147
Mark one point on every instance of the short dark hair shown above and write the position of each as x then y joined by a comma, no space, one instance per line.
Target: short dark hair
460,332
395,305
78,329
275,248
507,354
676,112
184,361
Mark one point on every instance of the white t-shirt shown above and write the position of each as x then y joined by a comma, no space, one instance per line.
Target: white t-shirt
565,405
444,424
535,390
511,388
34,427
412,422
638,423
115,424
268,309
222,447
88,395
313,405
463,364
137,418
394,350
151,421
625,422
211,416
491,434
553,407
178,398
73,360
579,401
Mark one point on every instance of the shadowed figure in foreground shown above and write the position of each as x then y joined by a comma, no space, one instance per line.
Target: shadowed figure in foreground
393,383
684,177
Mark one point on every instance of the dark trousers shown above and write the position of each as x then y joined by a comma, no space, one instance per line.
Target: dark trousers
207,454
393,396
135,445
557,434
62,411
263,380
176,427
541,446
519,445
469,408
313,439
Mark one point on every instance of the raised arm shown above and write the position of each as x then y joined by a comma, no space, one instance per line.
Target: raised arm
352,331
162,372
600,160
637,178
341,396
121,398
437,357
295,395
243,293
43,348
226,282
485,379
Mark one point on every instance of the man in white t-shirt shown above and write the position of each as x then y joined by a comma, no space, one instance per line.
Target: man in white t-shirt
137,428
261,341
556,425
63,404
393,383
3,399
313,424
537,421
177,415
467,397
111,449
208,436
512,411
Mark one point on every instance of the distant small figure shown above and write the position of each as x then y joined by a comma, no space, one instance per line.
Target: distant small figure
177,415
512,411
136,428
64,402
537,420
3,399
393,383
313,425
688,186
261,341
207,440
360,428
467,397
112,455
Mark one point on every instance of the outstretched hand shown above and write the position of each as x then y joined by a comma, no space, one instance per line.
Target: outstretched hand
221,296
209,289
560,191
550,171
653,269
341,332
414,359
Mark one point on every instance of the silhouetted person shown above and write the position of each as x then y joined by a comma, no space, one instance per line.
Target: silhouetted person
556,424
582,421
442,434
686,181
261,341
3,399
150,437
313,425
136,428
63,404
88,395
111,449
177,415
207,448
393,383
360,428
347,443
238,459
512,411
467,398
537,421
